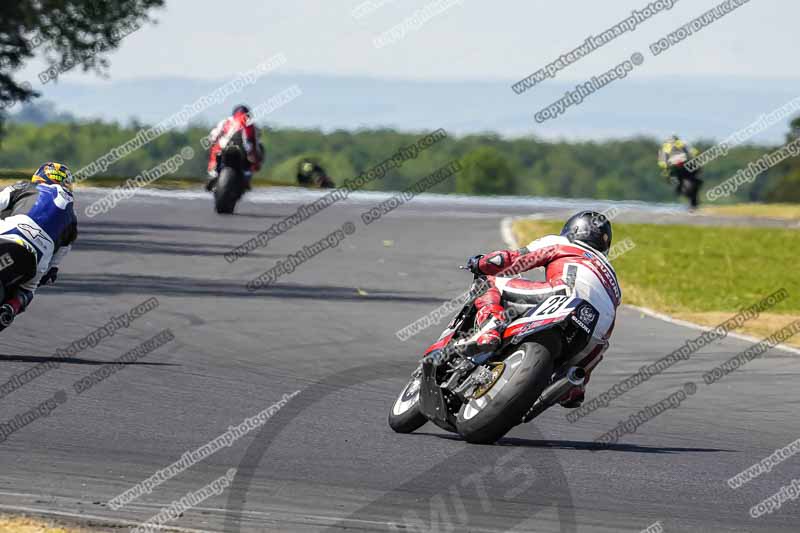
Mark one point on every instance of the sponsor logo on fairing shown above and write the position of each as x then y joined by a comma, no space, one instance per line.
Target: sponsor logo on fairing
30,231
6,261
581,325
585,319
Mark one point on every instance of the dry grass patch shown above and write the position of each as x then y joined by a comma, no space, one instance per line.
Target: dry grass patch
25,524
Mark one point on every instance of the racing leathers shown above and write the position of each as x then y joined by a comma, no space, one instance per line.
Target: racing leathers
571,268
237,130
40,217
672,159
311,173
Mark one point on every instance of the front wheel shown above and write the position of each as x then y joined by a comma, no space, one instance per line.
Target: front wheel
405,416
517,382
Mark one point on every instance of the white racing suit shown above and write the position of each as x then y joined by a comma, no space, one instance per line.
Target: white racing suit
571,268
41,218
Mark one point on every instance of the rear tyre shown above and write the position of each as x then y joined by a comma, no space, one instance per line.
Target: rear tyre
6,316
17,265
525,373
227,192
405,416
691,191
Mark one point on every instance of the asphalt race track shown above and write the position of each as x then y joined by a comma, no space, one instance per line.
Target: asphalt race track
327,460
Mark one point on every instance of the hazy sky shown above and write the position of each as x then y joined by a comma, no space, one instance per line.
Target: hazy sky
472,39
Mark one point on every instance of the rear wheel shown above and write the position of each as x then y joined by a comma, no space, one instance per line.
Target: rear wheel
228,191
17,264
405,415
690,190
517,382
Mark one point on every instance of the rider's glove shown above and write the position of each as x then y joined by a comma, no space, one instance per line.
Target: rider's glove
473,264
50,277
664,168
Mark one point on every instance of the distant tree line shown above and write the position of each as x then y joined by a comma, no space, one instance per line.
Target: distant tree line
615,169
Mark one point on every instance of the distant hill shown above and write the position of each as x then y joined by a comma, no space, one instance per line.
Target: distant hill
707,108
41,112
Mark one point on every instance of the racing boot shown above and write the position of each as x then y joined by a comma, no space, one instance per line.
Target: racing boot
574,398
486,339
7,315
213,176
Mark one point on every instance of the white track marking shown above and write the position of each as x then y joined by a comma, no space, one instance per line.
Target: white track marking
326,520
678,322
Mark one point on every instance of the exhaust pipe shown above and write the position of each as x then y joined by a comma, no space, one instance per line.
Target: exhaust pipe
575,377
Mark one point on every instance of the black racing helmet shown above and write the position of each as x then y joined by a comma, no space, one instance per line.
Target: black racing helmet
590,228
241,108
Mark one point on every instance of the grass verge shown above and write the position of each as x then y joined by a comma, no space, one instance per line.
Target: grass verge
24,524
702,274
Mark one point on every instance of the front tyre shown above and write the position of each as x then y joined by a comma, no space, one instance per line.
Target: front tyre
518,381
405,416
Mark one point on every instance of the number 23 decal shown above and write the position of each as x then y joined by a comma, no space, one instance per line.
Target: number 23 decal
552,304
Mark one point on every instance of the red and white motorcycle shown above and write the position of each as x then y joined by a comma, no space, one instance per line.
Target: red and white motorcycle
483,396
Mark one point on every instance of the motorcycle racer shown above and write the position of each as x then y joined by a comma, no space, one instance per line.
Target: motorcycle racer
238,129
309,173
37,230
672,159
575,265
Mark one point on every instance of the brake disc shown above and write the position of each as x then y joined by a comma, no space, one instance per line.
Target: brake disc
496,371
